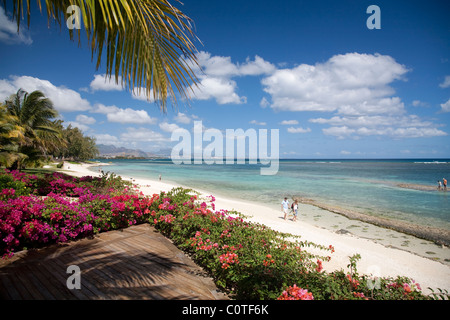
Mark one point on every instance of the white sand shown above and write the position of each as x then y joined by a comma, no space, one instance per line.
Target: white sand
376,259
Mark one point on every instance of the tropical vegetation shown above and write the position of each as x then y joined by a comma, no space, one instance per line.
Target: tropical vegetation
30,134
247,260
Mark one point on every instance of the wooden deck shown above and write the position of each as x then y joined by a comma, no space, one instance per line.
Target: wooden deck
134,263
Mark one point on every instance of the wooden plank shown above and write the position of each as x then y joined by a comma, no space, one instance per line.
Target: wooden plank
61,276
133,263
24,285
9,289
88,288
42,283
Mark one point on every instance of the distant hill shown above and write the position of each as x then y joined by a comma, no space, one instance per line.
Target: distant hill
110,151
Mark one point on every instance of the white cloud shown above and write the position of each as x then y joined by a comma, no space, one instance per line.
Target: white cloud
182,118
445,83
220,89
222,67
445,107
216,73
347,83
339,132
258,123
105,138
101,108
288,122
298,130
216,66
128,115
345,152
264,103
256,67
63,99
418,103
143,135
168,127
103,83
8,31
81,118
406,126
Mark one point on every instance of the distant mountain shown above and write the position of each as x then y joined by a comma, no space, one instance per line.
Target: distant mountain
110,151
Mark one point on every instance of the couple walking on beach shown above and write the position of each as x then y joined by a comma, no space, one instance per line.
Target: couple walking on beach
285,208
444,183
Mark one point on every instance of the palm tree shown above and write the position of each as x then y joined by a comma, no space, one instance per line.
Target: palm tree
10,136
32,114
147,42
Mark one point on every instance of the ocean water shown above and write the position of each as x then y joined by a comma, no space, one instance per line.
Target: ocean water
371,187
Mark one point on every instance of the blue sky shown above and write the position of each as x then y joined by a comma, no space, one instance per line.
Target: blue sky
311,69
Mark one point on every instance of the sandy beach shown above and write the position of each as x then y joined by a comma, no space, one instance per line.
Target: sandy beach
376,259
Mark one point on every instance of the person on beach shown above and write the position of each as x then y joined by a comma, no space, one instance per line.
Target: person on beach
445,183
285,206
159,177
295,209
439,185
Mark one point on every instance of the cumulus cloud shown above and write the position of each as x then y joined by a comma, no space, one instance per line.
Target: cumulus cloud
288,122
349,83
63,99
81,118
8,31
220,89
168,127
143,135
129,115
445,107
103,83
408,126
120,115
258,123
216,73
182,118
298,130
445,83
82,122
105,138
357,89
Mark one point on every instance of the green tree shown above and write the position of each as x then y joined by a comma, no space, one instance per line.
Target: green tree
32,117
79,147
148,42
10,136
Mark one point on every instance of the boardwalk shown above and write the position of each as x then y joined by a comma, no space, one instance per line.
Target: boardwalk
134,263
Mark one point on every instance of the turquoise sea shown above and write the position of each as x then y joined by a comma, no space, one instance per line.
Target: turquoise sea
386,188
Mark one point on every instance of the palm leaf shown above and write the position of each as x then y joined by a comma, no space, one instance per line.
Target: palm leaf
148,42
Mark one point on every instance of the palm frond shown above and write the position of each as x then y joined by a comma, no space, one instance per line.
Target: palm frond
149,43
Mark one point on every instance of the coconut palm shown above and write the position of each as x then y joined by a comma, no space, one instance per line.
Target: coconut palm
10,136
148,42
33,117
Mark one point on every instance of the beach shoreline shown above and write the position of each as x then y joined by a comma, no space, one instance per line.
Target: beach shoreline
376,259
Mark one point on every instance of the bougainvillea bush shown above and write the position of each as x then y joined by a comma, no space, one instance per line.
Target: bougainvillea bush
248,260
58,208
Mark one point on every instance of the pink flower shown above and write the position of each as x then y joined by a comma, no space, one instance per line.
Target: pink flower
296,293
